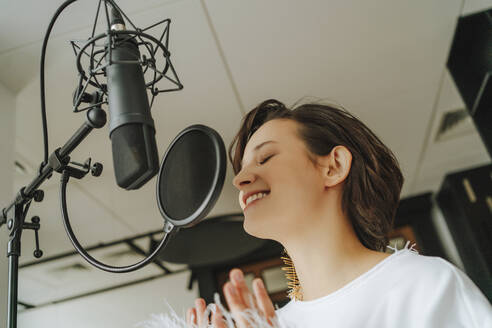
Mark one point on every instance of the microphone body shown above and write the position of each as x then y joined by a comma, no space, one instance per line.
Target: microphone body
132,131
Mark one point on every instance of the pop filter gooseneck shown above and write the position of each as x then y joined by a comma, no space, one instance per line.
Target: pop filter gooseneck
190,180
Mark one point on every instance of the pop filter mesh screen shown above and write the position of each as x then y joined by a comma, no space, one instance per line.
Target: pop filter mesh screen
187,175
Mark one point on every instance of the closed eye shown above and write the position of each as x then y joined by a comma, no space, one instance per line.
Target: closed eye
266,159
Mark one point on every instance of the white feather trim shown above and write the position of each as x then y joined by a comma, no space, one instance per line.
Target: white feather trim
172,320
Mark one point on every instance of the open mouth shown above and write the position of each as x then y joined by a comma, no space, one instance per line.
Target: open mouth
257,199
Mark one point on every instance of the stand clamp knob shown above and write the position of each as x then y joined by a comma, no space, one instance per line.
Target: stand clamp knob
38,195
96,169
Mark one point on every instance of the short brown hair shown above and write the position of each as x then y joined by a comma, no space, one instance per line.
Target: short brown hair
372,189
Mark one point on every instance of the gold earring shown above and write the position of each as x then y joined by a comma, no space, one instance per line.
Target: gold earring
292,279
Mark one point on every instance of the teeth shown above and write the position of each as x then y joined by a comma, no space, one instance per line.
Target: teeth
255,196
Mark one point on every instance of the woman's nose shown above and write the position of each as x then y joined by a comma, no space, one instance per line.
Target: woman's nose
242,178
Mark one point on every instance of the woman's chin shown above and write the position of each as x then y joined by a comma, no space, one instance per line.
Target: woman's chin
255,230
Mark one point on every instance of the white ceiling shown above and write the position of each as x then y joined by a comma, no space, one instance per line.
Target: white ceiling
383,60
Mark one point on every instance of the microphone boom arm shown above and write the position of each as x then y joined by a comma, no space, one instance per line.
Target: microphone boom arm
95,119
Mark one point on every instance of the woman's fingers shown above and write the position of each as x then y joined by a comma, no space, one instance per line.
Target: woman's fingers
237,278
191,316
217,320
236,304
239,298
201,306
243,298
263,300
196,316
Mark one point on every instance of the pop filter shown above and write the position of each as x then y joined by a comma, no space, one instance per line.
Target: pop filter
191,176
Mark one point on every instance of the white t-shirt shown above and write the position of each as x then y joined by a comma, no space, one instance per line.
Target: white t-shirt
405,289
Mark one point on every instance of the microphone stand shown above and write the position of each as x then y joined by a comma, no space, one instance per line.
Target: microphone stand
15,213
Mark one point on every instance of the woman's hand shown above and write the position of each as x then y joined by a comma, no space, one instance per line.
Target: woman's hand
239,298
197,316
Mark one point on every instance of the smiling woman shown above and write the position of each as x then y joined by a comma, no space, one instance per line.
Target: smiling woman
326,165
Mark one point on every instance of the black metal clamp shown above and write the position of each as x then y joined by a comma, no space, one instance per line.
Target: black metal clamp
34,225
95,169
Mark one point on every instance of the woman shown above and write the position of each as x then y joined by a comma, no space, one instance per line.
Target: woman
319,182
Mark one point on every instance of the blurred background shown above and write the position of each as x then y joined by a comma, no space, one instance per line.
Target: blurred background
397,65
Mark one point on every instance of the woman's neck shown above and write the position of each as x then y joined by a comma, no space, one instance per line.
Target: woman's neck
328,255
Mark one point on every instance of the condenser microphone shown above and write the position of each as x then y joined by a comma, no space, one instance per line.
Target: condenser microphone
132,131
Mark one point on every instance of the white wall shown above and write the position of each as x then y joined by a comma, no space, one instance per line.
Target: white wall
7,110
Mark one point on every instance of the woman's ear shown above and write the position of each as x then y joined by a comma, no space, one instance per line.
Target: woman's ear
335,166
